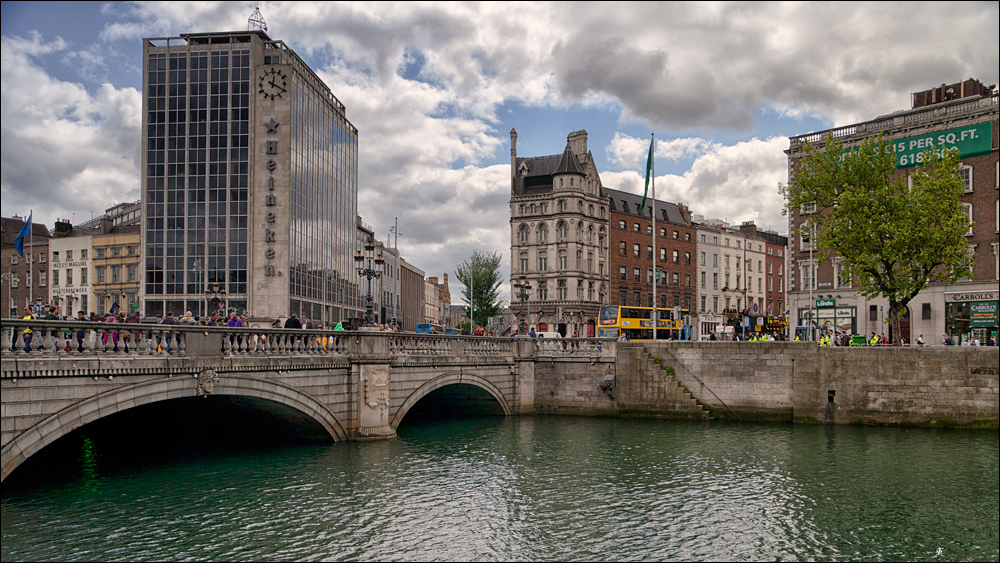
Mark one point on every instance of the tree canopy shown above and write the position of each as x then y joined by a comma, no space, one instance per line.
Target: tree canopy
894,233
480,275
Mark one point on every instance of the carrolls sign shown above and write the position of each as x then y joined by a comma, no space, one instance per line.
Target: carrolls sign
973,296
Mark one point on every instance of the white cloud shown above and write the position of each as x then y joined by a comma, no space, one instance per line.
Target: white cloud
64,150
731,182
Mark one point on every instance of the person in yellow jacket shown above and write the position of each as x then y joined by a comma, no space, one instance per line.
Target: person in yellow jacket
27,330
873,341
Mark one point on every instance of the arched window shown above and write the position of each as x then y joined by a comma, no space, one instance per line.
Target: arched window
532,208
579,290
543,233
522,233
543,291
562,205
562,259
561,290
563,230
590,210
590,234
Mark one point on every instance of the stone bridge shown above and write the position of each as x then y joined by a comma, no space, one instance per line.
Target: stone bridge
355,385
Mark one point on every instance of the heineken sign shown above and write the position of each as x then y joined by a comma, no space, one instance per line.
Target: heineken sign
826,303
973,140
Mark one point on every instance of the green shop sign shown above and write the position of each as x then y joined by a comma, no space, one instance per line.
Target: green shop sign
826,303
973,140
982,314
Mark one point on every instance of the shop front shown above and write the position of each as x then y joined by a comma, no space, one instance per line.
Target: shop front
971,315
826,317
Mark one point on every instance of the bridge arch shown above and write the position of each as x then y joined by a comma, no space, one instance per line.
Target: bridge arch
113,401
444,380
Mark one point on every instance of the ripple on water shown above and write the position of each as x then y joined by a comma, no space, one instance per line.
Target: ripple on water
546,488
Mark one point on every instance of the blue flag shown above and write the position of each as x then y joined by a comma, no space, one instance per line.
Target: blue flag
25,231
114,308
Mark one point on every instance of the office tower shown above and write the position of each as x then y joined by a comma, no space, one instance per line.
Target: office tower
249,181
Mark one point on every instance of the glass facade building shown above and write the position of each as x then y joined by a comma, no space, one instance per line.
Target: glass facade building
250,181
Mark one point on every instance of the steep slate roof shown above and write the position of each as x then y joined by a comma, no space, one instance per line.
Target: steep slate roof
624,202
569,164
12,226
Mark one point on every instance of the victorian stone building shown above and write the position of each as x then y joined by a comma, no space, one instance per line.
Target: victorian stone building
559,237
963,115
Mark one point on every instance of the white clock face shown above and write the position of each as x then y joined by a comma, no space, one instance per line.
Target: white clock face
272,84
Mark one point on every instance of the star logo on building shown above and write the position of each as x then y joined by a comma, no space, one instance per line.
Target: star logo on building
272,126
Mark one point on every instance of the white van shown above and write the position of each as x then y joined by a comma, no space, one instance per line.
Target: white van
547,335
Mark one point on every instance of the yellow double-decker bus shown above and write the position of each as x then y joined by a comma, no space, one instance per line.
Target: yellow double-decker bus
637,323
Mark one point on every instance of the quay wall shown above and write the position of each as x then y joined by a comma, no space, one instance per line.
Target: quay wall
782,381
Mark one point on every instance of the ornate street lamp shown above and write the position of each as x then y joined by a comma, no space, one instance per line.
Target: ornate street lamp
521,290
364,263
219,293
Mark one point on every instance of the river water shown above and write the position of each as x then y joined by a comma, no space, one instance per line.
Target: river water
530,488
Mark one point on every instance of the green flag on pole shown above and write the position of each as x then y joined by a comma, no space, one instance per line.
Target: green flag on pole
649,171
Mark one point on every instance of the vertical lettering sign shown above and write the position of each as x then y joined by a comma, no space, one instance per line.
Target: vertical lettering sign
270,200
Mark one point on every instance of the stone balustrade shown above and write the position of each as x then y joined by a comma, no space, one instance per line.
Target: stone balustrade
37,339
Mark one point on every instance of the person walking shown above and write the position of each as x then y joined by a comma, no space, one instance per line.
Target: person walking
81,334
920,341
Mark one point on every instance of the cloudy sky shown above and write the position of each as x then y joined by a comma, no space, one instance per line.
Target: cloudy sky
435,88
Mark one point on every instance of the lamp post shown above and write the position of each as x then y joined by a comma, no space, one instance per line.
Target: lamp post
521,289
216,291
365,263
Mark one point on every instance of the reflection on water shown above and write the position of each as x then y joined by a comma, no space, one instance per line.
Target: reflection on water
542,488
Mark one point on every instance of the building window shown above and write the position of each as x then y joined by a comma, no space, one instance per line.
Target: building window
635,250
809,207
635,227
99,253
808,281
69,255
590,262
55,258
563,230
83,276
622,273
543,291
872,313
524,261
925,312
101,274
676,255
649,276
635,275
687,258
968,213
543,233
621,225
13,260
702,258
562,259
69,276
543,261
703,281
715,280
649,252
663,255
636,299
562,205
55,277
676,234
621,248
131,273
966,173
715,260
116,274
622,298
687,280
561,288
41,277
677,279
522,234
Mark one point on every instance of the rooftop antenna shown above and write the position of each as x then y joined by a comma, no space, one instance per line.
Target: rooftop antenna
256,21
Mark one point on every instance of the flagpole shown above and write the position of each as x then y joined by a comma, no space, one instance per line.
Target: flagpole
652,179
31,263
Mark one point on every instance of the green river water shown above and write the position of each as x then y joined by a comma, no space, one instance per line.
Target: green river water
519,488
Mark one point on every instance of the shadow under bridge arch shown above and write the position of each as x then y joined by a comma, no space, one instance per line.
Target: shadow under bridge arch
467,392
160,391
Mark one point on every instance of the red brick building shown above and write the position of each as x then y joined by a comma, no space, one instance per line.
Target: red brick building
632,254
963,115
17,284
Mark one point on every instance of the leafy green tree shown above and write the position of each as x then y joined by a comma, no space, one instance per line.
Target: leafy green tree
893,235
480,274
